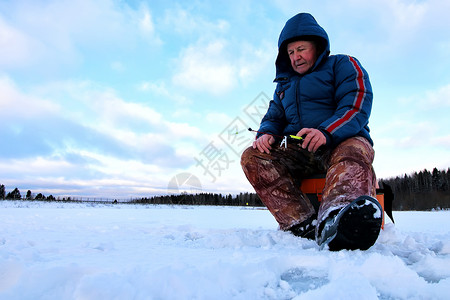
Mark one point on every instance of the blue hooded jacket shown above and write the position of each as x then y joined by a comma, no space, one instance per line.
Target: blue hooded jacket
334,96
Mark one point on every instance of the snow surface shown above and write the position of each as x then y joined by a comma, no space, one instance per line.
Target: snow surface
87,251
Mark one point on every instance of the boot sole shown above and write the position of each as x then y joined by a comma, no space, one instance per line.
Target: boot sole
357,226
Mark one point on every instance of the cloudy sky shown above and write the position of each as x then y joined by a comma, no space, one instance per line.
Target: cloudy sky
114,98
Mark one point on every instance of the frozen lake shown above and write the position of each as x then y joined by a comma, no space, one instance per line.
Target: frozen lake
83,251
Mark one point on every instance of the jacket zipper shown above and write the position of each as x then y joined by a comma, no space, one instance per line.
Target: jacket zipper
297,99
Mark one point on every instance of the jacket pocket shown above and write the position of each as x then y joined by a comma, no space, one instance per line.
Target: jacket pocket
281,88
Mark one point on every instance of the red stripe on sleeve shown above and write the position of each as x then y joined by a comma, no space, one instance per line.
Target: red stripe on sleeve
359,99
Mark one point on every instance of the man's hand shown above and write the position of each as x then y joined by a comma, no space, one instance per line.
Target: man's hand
314,138
264,143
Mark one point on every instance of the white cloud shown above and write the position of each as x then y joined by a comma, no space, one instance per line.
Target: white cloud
60,33
256,60
15,46
184,22
146,22
220,59
112,109
442,141
414,133
205,68
117,66
85,117
219,120
439,98
211,67
401,16
14,104
136,125
102,176
96,140
428,100
160,89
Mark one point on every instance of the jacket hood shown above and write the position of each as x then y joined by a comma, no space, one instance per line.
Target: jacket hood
301,26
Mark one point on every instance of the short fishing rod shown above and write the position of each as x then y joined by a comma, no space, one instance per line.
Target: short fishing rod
284,138
294,137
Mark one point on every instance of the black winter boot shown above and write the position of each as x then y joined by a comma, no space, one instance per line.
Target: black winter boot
306,229
356,226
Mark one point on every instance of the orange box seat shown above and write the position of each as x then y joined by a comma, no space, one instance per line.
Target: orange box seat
313,188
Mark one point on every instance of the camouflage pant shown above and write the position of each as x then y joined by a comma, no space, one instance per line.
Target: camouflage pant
276,178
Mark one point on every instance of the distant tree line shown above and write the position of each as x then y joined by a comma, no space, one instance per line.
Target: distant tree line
424,190
15,195
243,199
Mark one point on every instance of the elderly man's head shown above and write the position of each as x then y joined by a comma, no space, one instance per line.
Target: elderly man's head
302,54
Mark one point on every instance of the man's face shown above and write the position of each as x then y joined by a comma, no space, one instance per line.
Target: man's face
303,55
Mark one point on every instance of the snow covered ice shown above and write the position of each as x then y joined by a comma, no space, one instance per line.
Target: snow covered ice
84,251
